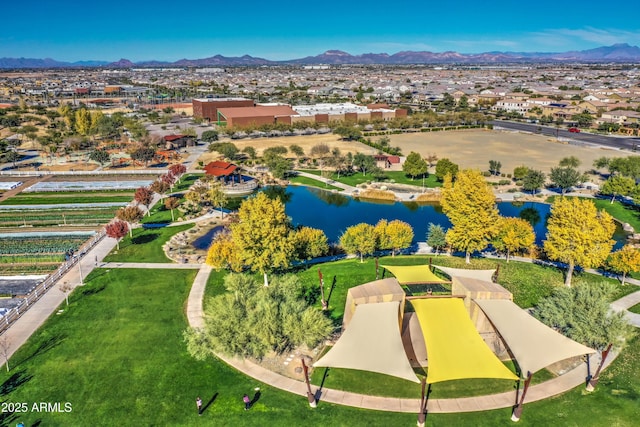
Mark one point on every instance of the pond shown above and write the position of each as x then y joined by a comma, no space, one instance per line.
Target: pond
334,213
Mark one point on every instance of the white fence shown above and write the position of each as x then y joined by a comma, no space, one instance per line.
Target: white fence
16,312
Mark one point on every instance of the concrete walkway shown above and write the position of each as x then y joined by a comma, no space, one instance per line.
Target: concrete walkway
18,333
536,392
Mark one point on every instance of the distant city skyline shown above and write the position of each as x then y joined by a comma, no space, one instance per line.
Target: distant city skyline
67,30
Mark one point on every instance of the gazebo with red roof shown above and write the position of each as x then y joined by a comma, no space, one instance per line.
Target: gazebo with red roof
220,168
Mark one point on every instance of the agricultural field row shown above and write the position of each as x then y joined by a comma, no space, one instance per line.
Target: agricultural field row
56,199
55,217
40,244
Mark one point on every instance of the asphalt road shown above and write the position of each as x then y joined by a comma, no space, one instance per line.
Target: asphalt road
629,144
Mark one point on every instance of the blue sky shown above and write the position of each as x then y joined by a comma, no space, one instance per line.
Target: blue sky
170,30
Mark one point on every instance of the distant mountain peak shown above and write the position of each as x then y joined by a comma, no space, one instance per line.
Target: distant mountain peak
619,52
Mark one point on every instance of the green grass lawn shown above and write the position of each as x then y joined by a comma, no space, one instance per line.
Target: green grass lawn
145,246
635,309
397,176
162,215
186,181
622,213
310,182
133,369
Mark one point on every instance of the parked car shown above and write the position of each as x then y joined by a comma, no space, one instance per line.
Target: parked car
574,130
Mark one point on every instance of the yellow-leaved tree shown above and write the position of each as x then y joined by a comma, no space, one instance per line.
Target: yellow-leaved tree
470,205
83,121
360,239
394,235
514,235
625,261
262,235
223,254
578,234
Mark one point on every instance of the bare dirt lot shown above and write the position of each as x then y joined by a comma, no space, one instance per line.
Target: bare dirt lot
474,149
469,148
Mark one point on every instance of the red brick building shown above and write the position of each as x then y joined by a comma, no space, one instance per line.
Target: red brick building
207,108
260,115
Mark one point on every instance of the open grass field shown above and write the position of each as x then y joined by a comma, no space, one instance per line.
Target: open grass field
133,369
145,245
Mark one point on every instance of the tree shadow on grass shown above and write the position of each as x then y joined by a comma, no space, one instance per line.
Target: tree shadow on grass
13,382
145,238
46,345
92,290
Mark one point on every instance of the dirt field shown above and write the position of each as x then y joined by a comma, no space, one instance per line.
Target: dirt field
469,149
474,149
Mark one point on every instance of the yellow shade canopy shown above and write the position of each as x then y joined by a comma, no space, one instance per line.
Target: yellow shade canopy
455,350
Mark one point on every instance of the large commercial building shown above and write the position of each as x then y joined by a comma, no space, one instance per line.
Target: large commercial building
241,112
207,108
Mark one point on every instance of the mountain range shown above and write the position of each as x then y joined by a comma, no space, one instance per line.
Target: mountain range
619,53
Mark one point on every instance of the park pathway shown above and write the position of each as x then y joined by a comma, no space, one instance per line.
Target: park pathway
536,392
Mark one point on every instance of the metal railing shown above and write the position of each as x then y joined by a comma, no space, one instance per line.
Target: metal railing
36,293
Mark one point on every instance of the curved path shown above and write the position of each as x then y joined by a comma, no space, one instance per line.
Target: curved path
560,384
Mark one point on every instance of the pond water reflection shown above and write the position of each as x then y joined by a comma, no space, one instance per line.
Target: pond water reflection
334,213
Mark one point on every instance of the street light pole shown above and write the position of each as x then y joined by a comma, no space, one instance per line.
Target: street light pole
80,269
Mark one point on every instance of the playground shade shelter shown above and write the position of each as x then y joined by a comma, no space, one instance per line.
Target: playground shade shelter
533,344
372,342
485,275
413,274
455,350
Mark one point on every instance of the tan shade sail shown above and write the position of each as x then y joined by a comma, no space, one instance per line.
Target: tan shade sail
413,274
486,275
372,342
532,343
455,350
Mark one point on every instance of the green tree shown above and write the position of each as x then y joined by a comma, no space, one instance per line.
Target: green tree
364,162
415,165
565,178
625,261
143,155
251,320
533,181
250,151
310,243
617,185
578,234
359,239
262,235
226,149
583,314
297,150
583,119
209,136
444,167
514,235
569,162
436,237
100,156
470,205
520,172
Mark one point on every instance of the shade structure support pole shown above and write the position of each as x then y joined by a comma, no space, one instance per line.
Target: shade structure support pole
310,396
517,411
593,381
